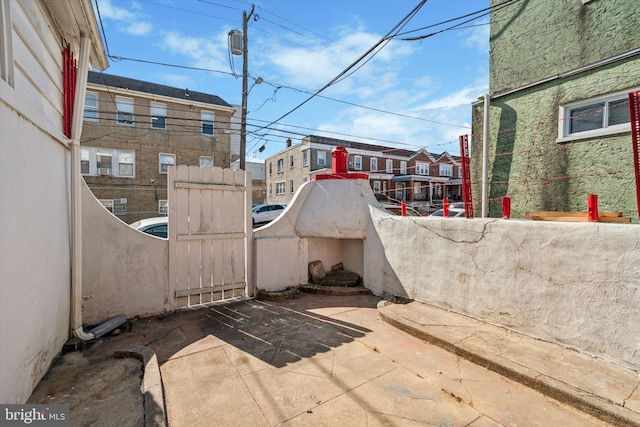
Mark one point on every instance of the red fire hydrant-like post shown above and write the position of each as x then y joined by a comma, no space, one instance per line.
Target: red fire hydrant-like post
339,160
506,207
445,208
403,208
592,212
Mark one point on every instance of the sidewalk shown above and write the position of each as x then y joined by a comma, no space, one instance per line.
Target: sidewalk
605,390
334,361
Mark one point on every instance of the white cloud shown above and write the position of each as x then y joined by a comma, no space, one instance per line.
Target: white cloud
139,28
464,96
478,37
128,22
209,53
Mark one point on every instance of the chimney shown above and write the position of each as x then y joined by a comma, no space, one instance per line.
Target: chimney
288,142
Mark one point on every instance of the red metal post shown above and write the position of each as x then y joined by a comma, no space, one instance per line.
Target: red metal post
403,208
506,207
445,208
634,115
593,208
466,176
339,160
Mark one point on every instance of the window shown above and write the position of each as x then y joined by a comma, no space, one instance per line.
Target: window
322,159
158,116
206,162
389,166
280,165
290,161
291,189
270,168
207,122
91,106
594,117
166,160
417,189
376,186
280,187
104,161
373,164
85,161
125,110
126,163
422,168
403,167
357,163
305,158
100,161
116,207
163,207
459,172
446,170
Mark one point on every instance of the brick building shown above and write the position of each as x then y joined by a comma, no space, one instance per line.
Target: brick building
421,178
133,130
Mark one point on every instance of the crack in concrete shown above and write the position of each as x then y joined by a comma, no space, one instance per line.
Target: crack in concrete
481,234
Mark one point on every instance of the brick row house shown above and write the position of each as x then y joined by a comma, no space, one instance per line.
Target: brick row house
134,130
421,178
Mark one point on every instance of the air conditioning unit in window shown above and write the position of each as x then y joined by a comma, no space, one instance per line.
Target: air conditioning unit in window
104,171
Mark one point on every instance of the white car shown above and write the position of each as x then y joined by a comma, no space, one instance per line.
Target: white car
155,226
266,213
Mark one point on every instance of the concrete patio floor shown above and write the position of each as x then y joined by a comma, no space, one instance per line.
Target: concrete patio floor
309,361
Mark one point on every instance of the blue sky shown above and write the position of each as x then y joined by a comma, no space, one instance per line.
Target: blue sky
410,94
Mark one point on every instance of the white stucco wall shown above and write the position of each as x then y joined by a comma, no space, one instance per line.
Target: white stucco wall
572,283
327,220
35,276
124,271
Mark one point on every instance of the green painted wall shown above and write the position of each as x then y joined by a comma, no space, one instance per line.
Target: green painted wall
535,39
525,161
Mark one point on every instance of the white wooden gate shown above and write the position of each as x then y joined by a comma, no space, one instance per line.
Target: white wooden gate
210,235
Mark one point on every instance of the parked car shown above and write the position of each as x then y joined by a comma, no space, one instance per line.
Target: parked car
266,213
397,209
455,210
157,226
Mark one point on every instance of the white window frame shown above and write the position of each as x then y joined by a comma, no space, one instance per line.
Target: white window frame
89,162
126,157
403,167
389,166
305,158
445,170
158,110
422,168
208,119
322,158
459,171
124,108
163,207
357,163
280,166
376,186
291,161
115,206
206,161
373,164
91,102
165,156
281,187
101,169
565,114
107,203
291,187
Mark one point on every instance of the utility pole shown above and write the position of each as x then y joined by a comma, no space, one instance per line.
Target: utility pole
245,75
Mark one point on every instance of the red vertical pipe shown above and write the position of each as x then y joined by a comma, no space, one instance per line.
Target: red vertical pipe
339,160
445,208
506,207
634,115
403,208
593,208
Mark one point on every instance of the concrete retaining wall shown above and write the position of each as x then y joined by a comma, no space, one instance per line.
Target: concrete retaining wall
577,284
